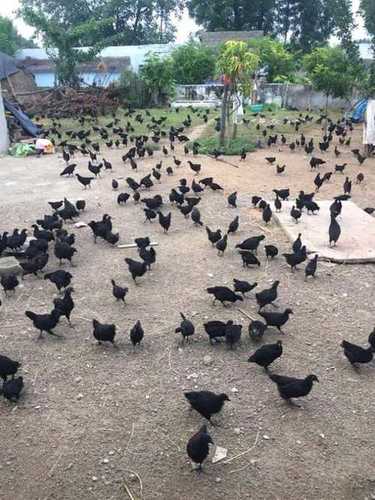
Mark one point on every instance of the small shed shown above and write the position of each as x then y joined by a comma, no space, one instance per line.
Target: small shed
215,38
14,77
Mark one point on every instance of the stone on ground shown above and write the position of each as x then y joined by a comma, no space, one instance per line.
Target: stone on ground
9,265
357,240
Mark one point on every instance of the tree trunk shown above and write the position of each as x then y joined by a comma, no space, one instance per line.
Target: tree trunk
234,135
224,105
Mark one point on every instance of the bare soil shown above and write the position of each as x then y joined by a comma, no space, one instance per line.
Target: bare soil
94,420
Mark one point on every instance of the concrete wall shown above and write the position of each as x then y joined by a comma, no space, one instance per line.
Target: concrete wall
4,140
298,96
301,97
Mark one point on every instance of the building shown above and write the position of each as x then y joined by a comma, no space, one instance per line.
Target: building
14,77
215,38
107,67
366,51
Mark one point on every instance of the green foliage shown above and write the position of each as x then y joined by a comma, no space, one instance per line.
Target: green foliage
132,89
273,56
330,71
308,23
368,11
132,22
344,22
313,24
367,83
231,147
193,63
233,15
66,57
237,62
10,40
157,75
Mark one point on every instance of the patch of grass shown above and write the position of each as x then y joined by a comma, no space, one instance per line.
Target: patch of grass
232,147
251,131
135,127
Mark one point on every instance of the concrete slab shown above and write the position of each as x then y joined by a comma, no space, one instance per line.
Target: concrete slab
9,265
357,241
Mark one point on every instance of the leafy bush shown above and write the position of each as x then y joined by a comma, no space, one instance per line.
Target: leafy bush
157,76
331,71
132,89
193,63
274,58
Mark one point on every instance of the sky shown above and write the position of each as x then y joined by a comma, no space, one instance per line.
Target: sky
185,26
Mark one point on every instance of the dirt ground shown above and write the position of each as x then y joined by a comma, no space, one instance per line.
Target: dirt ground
93,419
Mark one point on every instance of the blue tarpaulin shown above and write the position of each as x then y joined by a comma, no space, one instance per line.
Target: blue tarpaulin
23,119
359,111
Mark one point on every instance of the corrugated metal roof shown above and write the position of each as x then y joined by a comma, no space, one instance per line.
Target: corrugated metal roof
8,66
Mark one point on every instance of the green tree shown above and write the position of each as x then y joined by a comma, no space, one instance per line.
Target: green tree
193,63
10,40
132,22
157,75
367,8
286,15
330,71
308,23
61,44
344,23
233,15
237,64
132,89
313,24
273,56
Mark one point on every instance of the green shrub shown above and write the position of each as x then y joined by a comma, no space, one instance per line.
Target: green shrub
232,147
193,63
278,63
157,76
132,89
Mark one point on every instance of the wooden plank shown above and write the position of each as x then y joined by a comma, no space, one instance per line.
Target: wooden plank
133,245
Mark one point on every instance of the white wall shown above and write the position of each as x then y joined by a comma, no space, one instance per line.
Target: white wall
4,140
136,53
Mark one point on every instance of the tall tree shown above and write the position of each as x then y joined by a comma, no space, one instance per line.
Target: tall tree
236,64
331,71
306,23
61,44
276,61
10,40
344,22
314,24
132,22
193,63
367,8
286,15
233,15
